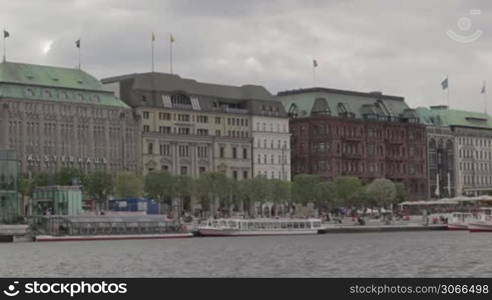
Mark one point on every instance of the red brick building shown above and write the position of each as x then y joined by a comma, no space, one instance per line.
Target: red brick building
367,135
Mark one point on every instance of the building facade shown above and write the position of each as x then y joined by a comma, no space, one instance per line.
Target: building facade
271,141
460,151
367,135
10,207
59,117
189,127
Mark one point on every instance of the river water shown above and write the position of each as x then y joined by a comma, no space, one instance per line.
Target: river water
392,254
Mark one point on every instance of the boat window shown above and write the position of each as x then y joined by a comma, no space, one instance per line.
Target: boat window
283,225
302,225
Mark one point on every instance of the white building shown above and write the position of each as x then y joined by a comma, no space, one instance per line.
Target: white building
271,142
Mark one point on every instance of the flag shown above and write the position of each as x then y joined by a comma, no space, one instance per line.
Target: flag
77,43
484,90
315,63
153,36
171,38
445,83
6,34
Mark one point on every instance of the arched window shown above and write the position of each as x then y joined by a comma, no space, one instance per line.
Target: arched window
320,107
293,111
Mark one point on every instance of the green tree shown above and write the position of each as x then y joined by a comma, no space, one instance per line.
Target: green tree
210,188
349,190
381,192
402,193
159,185
66,176
183,189
129,185
99,186
325,195
280,193
304,188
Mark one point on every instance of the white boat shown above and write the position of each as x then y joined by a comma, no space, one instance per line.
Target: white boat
258,227
484,224
66,238
460,220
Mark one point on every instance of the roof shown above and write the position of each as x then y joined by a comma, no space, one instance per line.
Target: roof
165,82
158,88
28,81
358,103
443,116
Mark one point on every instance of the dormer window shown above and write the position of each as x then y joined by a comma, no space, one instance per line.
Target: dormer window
97,98
293,111
30,92
180,100
80,97
320,107
48,94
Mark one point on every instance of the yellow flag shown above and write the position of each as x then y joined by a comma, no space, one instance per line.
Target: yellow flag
171,38
153,36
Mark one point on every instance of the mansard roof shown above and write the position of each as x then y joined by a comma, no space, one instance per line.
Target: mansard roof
29,81
154,86
352,103
443,116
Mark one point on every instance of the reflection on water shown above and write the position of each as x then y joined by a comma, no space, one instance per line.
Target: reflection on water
413,254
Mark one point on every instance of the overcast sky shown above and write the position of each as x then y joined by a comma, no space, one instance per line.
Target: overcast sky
397,47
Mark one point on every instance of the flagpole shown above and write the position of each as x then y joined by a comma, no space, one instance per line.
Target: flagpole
171,53
447,90
4,48
152,46
484,92
314,76
79,54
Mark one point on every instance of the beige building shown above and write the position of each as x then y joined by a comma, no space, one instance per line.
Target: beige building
190,127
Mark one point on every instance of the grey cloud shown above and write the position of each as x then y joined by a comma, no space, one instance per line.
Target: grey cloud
398,47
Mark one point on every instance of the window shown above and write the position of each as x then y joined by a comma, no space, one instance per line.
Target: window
202,151
245,174
165,129
165,168
150,148
217,120
202,132
164,116
183,150
221,152
245,153
272,159
202,170
164,149
234,152
146,115
184,130
234,175
217,132
184,170
183,118
146,128
259,159
202,119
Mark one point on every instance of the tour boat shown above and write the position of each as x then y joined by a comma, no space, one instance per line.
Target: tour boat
259,227
66,238
484,224
460,220
97,228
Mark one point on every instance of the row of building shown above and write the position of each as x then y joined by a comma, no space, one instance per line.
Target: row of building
53,117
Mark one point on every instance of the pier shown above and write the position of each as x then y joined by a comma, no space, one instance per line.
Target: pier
380,228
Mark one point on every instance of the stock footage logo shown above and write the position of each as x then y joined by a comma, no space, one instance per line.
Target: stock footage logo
11,290
465,25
